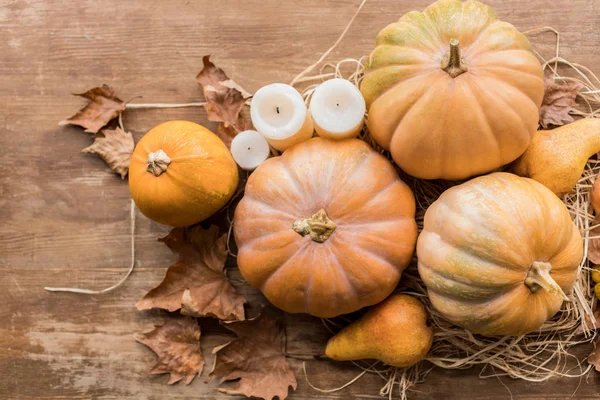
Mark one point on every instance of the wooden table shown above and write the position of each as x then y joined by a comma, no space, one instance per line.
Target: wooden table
65,216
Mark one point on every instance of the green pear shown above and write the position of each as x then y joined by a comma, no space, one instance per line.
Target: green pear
395,332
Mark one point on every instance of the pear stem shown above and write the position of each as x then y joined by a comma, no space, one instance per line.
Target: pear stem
158,162
452,62
538,277
319,226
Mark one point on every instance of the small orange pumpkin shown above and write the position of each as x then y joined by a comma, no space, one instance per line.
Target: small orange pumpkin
452,92
498,254
327,228
181,173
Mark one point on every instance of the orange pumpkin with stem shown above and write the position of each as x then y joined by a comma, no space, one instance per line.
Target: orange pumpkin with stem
326,228
452,92
499,254
181,173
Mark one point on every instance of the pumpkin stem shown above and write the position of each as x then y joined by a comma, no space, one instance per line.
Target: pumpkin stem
452,62
158,162
538,277
319,226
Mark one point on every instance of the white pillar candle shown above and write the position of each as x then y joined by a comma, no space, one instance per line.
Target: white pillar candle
338,109
279,113
249,149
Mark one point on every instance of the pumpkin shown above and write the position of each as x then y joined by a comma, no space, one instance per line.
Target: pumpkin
181,173
326,229
498,254
452,92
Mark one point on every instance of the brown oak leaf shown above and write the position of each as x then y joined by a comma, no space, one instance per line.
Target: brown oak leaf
104,105
115,147
594,244
256,360
227,133
224,98
559,100
196,283
177,345
594,357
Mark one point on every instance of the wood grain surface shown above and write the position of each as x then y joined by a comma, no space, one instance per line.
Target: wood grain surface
64,216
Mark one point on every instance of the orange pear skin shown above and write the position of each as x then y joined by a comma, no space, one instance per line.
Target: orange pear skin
556,158
395,332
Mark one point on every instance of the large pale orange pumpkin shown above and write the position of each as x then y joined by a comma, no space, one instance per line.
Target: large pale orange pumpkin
498,254
452,92
181,173
326,229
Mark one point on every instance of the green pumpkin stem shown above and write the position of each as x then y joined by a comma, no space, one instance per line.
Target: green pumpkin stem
158,162
538,277
452,62
319,226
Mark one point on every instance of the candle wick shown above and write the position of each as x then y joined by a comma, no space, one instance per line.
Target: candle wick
248,148
277,108
337,104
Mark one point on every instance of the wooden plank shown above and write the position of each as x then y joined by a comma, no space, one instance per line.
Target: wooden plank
65,215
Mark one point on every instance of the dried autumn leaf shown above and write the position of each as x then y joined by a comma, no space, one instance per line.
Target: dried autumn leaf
197,283
104,105
257,359
227,133
559,100
177,345
594,357
594,243
224,98
115,148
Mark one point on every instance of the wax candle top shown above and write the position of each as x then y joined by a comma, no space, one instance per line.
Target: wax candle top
337,104
249,149
278,111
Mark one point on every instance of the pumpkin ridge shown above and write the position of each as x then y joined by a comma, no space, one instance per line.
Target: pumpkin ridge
467,247
412,107
454,295
369,270
484,120
175,176
515,90
252,198
342,217
277,270
508,106
467,250
478,188
342,272
356,168
290,171
397,84
480,34
429,41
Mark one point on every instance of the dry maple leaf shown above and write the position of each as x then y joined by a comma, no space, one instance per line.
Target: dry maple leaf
115,148
227,133
594,357
593,253
224,98
257,359
197,283
104,105
559,100
177,345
